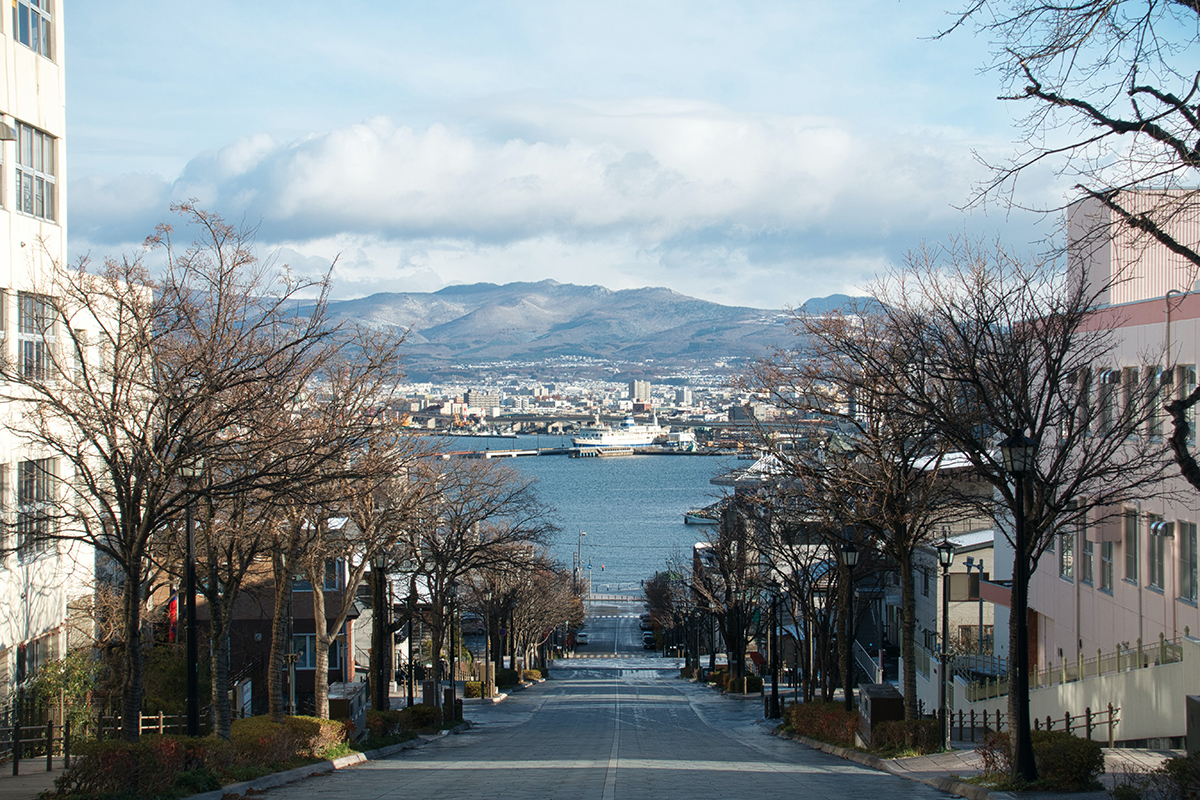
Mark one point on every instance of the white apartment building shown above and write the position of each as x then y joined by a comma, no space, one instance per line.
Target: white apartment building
36,575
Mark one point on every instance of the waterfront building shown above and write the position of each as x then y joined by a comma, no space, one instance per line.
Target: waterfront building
639,390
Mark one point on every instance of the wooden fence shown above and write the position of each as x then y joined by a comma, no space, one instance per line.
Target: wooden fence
980,723
16,740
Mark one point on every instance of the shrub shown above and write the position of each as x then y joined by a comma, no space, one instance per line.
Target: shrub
506,677
1067,763
919,735
828,722
1064,762
746,685
1179,777
530,675
995,753
473,689
422,717
716,677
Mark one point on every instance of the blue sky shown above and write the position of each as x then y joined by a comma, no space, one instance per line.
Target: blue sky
747,153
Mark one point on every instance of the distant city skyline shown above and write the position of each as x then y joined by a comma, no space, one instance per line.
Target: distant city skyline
750,155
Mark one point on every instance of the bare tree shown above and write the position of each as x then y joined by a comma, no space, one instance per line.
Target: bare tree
861,454
1111,90
477,515
987,346
179,370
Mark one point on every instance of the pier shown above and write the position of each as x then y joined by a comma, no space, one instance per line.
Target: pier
544,451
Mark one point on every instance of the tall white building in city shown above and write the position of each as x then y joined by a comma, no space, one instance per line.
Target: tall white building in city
36,573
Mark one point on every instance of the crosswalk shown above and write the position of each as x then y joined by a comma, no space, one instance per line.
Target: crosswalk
610,655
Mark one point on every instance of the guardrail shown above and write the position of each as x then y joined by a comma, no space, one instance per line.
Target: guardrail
971,723
13,741
868,663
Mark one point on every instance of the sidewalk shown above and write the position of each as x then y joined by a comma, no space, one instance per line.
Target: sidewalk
33,780
943,770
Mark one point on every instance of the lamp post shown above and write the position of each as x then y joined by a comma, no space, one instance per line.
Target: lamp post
452,594
579,563
487,643
191,469
412,613
773,595
848,555
382,699
945,553
1019,453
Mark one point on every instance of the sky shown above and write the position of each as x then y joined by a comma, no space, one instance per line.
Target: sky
748,153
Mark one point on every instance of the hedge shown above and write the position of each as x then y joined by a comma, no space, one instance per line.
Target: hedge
919,735
166,767
1065,763
827,722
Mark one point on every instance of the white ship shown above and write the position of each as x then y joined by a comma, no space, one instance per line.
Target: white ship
628,434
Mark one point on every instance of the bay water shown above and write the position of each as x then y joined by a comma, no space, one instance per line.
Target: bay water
630,507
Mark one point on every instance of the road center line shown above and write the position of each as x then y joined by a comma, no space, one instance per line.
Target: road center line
610,776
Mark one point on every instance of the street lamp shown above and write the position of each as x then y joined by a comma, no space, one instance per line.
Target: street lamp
452,594
1019,454
579,562
382,698
773,712
945,553
410,675
848,555
487,643
191,468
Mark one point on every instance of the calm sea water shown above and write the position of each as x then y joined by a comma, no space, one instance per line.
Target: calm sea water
630,507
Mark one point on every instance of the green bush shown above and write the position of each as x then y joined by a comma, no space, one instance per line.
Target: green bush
917,735
827,722
507,677
530,675
473,689
995,753
422,717
716,677
1179,777
1067,763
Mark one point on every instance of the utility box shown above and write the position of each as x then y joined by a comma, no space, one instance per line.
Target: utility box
878,702
429,693
1192,713
349,701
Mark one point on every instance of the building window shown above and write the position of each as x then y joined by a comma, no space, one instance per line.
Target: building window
1106,566
1087,553
1187,385
1066,556
35,172
35,335
35,493
924,582
304,645
1187,561
334,569
1109,379
1131,546
1157,391
1157,556
31,25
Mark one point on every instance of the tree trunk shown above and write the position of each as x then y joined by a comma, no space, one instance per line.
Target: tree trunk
846,632
131,696
219,650
323,639
908,632
280,646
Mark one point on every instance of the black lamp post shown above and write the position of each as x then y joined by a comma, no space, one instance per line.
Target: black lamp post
382,700
452,594
191,469
487,643
410,673
945,551
773,595
848,555
1019,454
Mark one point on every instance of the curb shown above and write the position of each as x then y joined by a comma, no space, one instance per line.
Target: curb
941,783
261,784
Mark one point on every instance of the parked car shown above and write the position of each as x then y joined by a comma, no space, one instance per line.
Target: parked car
645,622
581,638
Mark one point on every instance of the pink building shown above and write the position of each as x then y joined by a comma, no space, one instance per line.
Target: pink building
1134,577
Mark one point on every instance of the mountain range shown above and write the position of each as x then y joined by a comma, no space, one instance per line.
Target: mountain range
486,322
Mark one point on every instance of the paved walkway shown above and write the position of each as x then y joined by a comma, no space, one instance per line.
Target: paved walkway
33,780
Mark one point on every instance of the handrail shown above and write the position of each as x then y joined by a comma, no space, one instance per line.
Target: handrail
868,663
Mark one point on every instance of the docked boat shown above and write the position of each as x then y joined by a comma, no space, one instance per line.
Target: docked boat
627,434
709,515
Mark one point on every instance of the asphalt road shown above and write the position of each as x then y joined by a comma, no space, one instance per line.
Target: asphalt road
607,728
